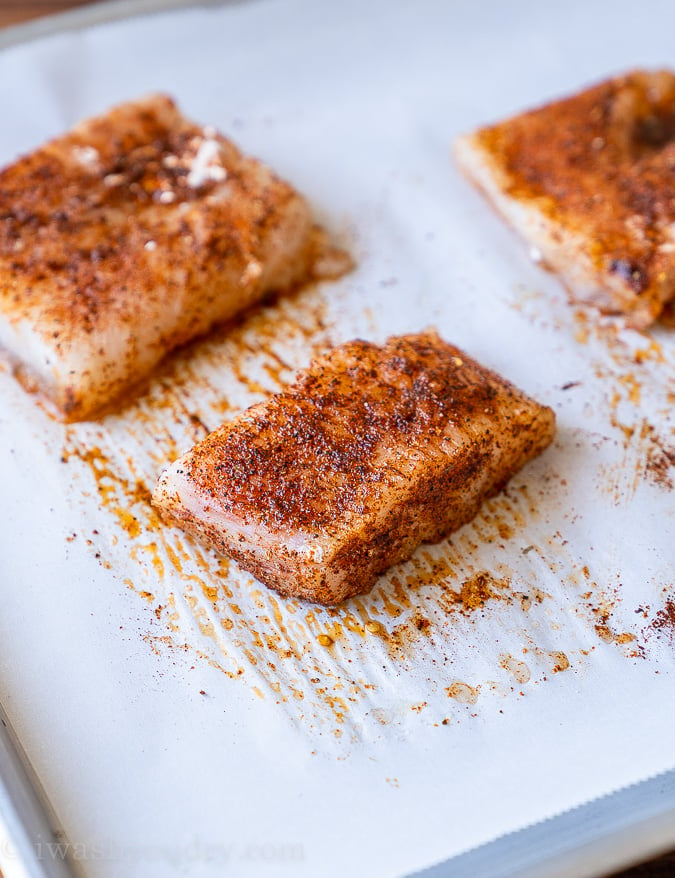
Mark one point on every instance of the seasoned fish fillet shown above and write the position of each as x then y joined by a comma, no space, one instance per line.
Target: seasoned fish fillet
589,182
132,234
370,452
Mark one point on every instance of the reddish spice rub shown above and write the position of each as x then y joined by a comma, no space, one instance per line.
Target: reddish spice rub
589,181
129,236
664,621
372,451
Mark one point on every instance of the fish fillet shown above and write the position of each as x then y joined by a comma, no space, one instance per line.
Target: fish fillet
589,182
372,450
130,235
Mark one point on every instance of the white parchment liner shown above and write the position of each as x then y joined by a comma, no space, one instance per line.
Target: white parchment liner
182,716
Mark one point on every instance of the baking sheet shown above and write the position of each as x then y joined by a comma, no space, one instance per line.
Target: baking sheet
598,838
182,718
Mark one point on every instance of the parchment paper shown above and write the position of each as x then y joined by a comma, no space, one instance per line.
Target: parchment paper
185,720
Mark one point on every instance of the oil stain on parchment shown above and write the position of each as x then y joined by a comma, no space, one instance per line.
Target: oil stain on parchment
637,372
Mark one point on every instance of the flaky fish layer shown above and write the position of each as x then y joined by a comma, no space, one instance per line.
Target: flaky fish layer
372,451
589,182
131,235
